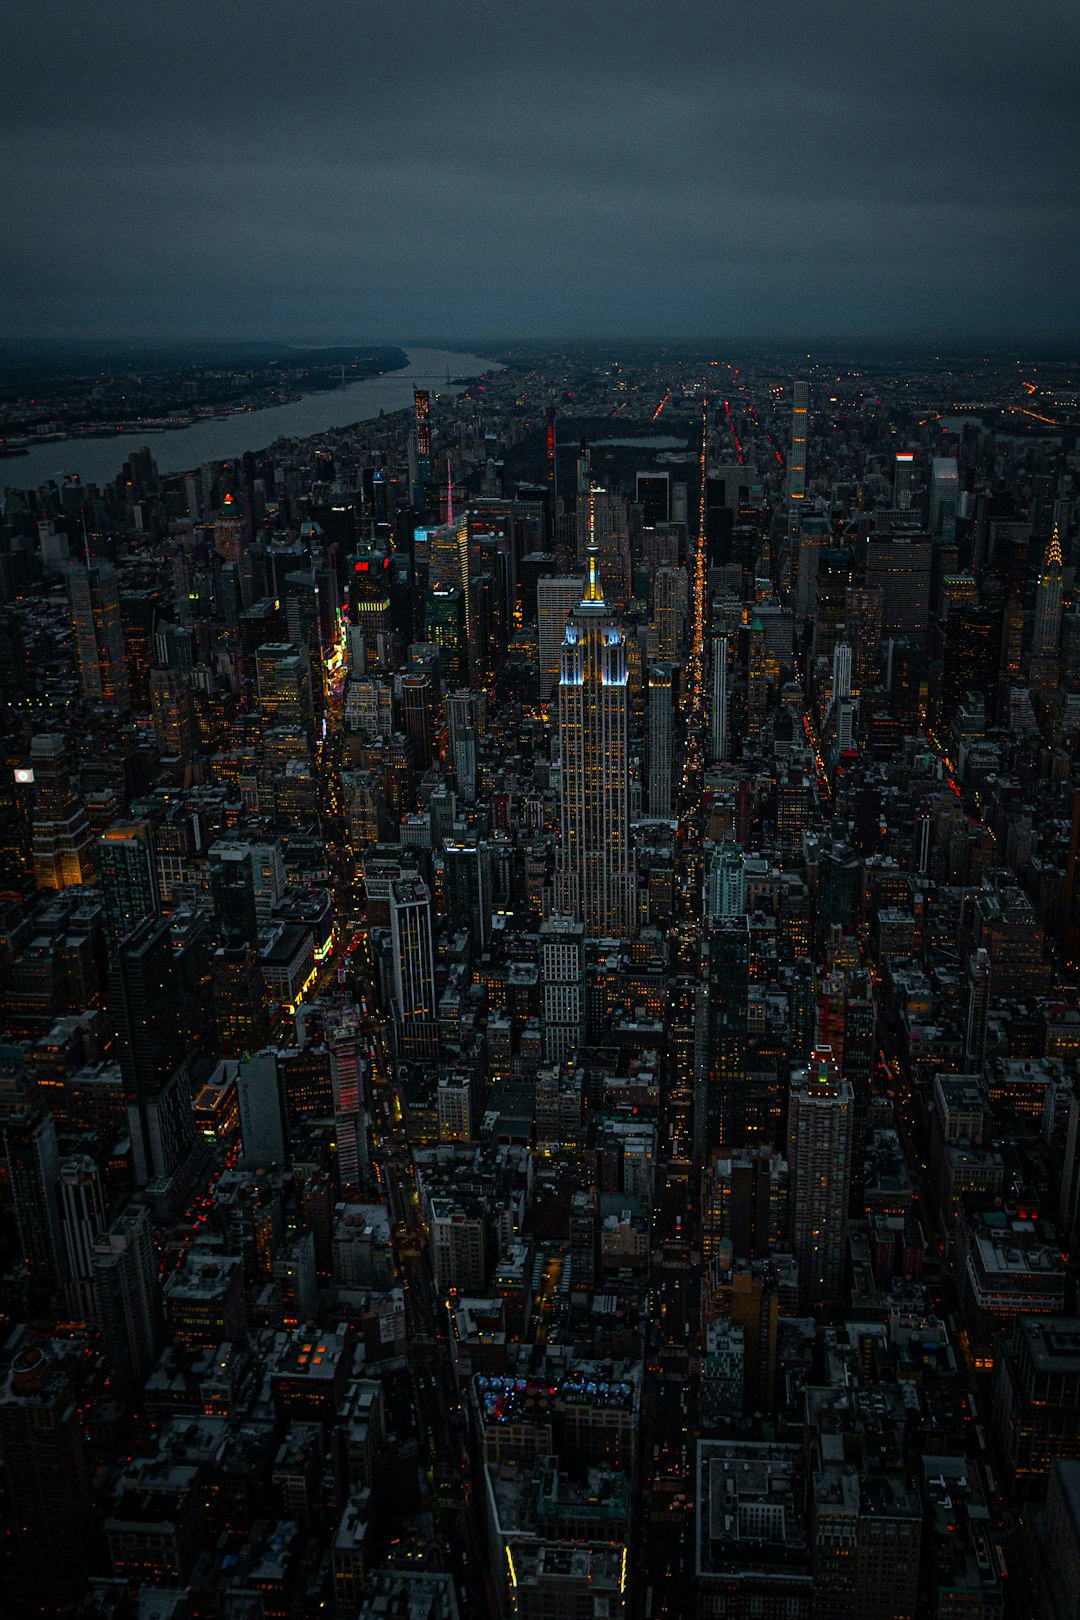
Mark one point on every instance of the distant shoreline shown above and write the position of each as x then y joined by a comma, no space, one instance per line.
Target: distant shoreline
263,396
96,459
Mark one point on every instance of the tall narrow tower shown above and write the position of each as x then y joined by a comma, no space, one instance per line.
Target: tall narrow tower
556,597
978,1010
841,671
1043,668
33,1169
126,1293
147,1016
422,413
414,969
718,701
669,611
128,878
596,884
842,706
346,1079
661,751
797,459
63,851
820,1122
99,634
420,461
562,976
552,474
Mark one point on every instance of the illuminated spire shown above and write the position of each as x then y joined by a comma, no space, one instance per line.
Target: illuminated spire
593,593
449,494
1053,551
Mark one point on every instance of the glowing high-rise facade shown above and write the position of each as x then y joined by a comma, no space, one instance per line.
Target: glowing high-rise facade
413,969
556,597
661,741
718,701
422,413
669,610
797,459
595,881
820,1121
1043,668
99,634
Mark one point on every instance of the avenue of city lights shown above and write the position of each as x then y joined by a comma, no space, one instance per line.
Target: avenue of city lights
693,761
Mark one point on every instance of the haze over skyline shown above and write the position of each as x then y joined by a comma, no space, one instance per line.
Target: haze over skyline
473,173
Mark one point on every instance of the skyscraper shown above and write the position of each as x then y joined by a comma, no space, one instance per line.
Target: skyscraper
556,598
661,750
346,1074
903,479
446,627
819,1138
33,1167
417,717
62,844
232,890
1043,667
842,709
174,713
652,492
422,441
970,658
562,980
465,722
944,497
264,1120
670,598
144,999
899,564
451,568
48,1480
725,882
552,471
797,458
99,633
128,879
413,968
596,884
465,710
841,682
721,1112
82,1214
865,610
283,671
127,1300
468,887
979,972
462,759
229,529
718,700
370,612
757,681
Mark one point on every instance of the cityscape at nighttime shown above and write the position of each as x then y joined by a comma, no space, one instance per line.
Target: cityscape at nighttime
539,814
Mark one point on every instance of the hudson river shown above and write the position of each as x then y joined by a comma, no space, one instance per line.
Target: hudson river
226,437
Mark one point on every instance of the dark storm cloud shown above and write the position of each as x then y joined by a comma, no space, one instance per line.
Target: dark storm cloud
344,169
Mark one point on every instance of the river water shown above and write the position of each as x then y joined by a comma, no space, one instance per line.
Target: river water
225,438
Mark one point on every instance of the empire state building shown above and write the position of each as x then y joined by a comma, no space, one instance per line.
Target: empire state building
595,881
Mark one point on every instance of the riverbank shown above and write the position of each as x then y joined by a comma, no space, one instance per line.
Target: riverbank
181,449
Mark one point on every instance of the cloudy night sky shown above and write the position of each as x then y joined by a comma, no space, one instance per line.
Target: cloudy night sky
341,170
